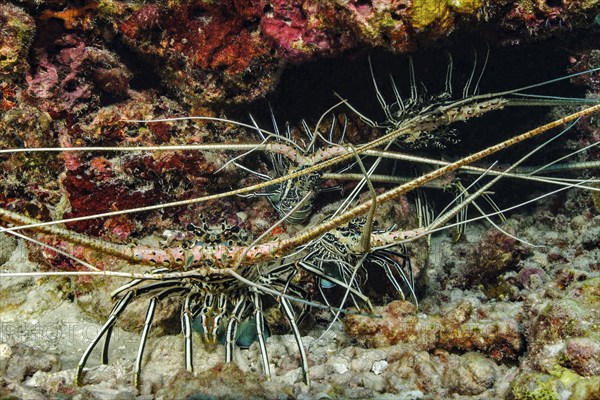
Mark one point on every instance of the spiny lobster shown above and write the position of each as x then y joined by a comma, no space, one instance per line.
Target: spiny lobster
223,278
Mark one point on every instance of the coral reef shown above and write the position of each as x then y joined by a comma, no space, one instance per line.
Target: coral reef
16,35
213,53
497,318
543,344
207,52
73,80
19,362
544,17
462,328
229,51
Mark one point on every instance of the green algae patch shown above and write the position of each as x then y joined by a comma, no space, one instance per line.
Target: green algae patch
428,12
586,388
565,375
534,386
538,386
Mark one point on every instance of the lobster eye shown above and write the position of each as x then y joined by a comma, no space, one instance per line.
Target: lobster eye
190,227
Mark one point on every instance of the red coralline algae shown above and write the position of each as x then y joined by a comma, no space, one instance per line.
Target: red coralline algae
82,183
63,84
216,35
206,50
132,181
101,168
7,96
83,188
383,23
145,18
300,29
119,228
160,131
